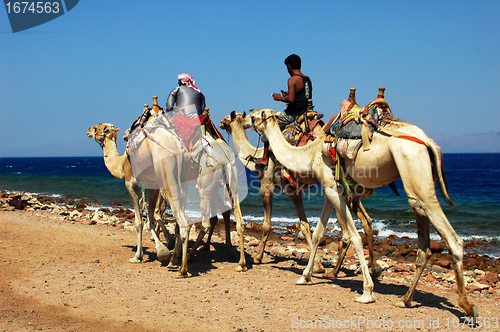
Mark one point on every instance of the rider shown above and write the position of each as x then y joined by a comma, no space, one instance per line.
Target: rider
297,96
299,89
186,96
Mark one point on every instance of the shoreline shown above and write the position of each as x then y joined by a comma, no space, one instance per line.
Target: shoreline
71,273
399,249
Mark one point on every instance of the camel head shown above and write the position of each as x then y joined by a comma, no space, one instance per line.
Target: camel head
102,131
260,118
225,123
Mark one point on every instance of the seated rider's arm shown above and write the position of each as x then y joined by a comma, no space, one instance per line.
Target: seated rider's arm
172,97
289,96
202,103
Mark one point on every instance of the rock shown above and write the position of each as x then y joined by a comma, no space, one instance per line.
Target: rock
253,243
430,278
475,286
278,251
383,264
115,204
436,247
443,263
492,277
401,268
325,240
331,247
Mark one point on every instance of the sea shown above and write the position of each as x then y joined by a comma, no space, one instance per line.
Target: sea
473,182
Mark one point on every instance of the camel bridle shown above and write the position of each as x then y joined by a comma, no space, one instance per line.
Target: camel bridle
104,133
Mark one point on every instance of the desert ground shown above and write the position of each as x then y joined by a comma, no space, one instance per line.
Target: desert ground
63,275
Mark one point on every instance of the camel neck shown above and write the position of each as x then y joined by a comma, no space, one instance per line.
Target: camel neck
112,159
296,159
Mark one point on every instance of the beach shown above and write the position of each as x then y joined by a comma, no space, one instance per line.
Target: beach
71,273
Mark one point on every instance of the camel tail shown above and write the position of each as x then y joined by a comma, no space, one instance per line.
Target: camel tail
438,170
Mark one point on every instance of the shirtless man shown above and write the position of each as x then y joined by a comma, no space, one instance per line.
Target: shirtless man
298,93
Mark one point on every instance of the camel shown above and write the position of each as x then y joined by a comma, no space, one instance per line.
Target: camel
207,166
119,166
307,164
270,177
413,157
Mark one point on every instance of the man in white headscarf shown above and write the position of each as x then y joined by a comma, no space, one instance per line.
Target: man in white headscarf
186,96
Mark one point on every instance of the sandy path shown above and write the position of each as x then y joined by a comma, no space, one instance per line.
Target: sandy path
76,277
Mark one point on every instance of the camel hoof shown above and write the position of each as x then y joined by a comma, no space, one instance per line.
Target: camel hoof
171,266
402,304
330,274
304,281
163,254
475,314
135,260
180,275
366,298
257,260
241,268
377,272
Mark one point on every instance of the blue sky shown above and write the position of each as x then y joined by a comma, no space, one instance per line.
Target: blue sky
103,60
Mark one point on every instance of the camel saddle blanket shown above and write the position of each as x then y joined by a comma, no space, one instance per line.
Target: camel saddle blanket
186,126
213,152
350,126
347,148
297,135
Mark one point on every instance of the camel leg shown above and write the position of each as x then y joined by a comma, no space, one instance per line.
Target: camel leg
344,244
317,235
455,247
162,251
423,254
161,206
366,221
306,230
344,216
213,223
267,187
174,257
184,235
229,174
205,225
367,296
133,190
298,202
227,227
418,190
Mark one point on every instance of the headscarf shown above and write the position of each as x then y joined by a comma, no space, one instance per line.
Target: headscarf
187,80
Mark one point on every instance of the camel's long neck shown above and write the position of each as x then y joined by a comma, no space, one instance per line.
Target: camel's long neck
241,143
296,159
112,159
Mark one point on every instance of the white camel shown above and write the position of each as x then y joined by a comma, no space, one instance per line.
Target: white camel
177,160
203,167
417,161
119,166
270,177
306,163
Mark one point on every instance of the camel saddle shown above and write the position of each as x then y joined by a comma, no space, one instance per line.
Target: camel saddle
299,132
350,125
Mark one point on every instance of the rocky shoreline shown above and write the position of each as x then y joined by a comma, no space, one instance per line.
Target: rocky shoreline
396,256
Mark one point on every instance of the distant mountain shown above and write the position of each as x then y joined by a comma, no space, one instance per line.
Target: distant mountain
468,143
